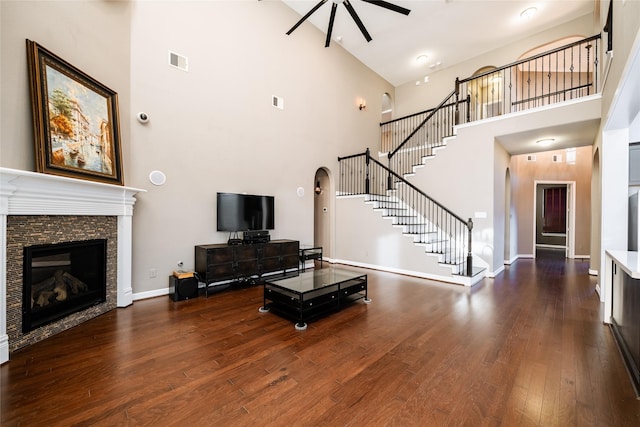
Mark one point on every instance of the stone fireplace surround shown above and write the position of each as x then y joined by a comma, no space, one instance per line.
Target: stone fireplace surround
36,194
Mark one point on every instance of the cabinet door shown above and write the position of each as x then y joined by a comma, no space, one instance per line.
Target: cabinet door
289,248
220,255
219,272
246,252
270,264
271,250
247,267
289,254
246,260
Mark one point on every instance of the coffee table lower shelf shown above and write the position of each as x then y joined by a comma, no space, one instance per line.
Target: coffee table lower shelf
314,294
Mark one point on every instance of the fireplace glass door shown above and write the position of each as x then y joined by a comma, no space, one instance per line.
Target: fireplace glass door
62,279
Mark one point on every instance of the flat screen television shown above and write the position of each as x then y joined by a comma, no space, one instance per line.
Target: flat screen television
244,212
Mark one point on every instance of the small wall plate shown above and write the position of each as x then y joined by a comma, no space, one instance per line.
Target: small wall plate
157,177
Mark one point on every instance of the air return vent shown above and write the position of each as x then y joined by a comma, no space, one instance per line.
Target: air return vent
277,102
178,61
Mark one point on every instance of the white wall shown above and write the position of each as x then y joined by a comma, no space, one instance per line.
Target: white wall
93,36
543,169
411,98
620,110
211,129
363,237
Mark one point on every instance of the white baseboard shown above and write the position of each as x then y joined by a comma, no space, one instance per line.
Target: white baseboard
457,280
542,245
511,261
493,274
525,256
4,349
150,294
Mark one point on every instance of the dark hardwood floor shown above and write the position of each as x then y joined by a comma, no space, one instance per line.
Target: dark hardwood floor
526,348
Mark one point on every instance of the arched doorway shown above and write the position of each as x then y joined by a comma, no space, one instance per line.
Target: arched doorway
322,214
486,93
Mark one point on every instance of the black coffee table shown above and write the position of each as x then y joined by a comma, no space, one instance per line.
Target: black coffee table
313,294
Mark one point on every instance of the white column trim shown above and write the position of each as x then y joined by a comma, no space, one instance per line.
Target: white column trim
31,193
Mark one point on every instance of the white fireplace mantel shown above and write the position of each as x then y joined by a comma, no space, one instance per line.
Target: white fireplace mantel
31,193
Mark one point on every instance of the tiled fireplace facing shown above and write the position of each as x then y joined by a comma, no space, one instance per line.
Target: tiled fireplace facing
38,209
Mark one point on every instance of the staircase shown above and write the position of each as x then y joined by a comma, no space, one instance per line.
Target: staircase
426,222
542,80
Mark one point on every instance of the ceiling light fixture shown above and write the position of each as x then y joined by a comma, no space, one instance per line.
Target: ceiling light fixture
529,13
422,59
545,142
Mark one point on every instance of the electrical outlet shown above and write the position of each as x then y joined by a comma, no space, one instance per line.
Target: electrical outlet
153,273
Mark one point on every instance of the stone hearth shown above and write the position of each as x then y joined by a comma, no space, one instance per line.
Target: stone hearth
40,204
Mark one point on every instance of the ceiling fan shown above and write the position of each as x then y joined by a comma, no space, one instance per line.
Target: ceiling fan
352,12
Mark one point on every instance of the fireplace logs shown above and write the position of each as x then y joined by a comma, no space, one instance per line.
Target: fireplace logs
56,287
61,279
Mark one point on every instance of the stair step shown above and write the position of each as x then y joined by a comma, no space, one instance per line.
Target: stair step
391,210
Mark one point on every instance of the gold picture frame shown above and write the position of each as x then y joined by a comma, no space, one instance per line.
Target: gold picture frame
75,120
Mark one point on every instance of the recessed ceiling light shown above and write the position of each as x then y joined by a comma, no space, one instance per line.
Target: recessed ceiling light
422,59
545,142
528,13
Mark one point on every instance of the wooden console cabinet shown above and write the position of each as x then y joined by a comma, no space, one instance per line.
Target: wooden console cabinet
224,263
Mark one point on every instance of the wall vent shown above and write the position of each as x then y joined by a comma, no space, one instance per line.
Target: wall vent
178,61
277,102
531,158
556,158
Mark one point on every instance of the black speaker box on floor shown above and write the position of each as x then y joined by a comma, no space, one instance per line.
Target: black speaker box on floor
181,289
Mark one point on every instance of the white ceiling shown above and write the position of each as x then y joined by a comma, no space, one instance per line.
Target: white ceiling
448,31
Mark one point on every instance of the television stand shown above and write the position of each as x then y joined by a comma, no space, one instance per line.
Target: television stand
222,263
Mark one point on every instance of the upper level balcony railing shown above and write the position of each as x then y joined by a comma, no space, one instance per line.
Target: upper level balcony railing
562,74
559,75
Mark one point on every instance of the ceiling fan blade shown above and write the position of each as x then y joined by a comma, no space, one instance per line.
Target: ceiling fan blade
304,18
334,7
357,20
389,6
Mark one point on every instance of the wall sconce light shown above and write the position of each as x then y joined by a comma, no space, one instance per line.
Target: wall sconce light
318,189
362,105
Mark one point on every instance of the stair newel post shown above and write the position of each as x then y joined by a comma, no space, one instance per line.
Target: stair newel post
469,253
389,172
457,109
366,178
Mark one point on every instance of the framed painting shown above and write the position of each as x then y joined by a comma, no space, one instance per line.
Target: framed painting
75,120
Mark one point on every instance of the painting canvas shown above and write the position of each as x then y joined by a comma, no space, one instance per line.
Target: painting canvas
75,120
